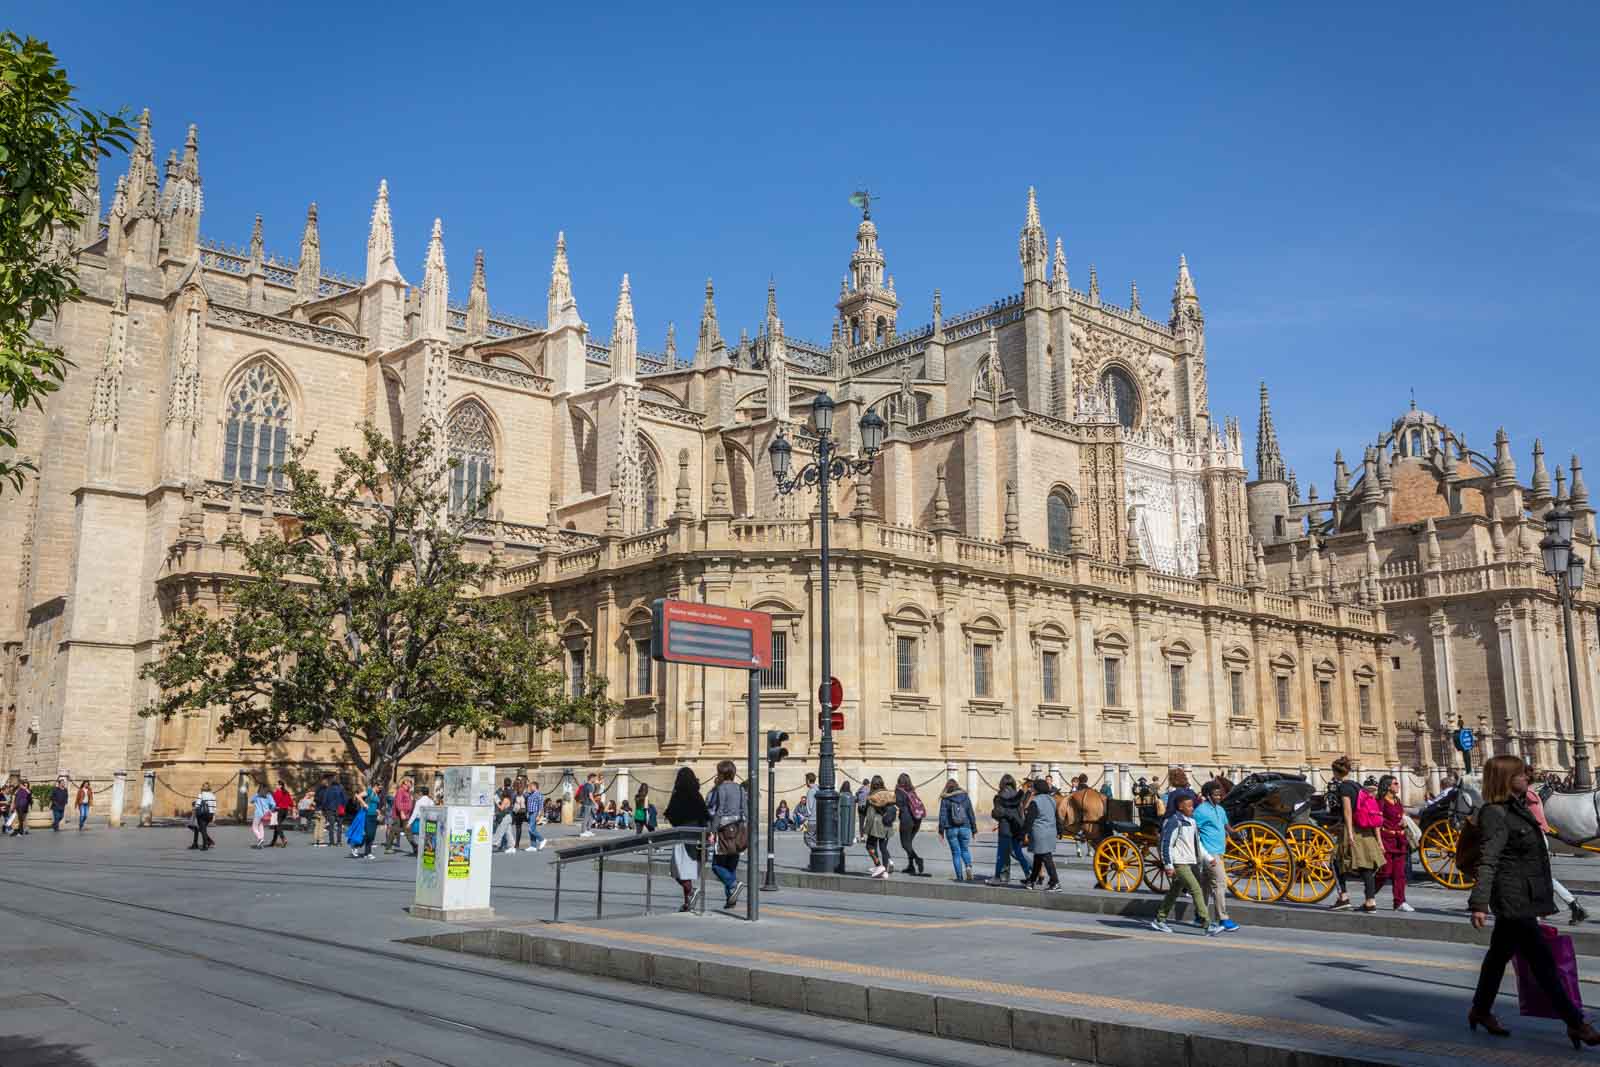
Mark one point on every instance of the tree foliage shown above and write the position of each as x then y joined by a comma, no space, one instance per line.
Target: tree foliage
49,151
363,615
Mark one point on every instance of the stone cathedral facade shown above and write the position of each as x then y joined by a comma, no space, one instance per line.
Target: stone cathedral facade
1055,561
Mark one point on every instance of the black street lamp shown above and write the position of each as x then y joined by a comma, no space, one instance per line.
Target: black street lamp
827,855
1566,567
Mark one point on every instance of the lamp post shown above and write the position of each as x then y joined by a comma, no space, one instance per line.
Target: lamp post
1566,567
827,855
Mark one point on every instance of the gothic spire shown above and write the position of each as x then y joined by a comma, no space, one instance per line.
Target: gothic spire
181,199
1579,498
1059,281
1094,285
1269,460
1133,298
709,350
1539,486
671,353
624,338
562,308
308,277
142,181
772,303
257,246
1505,468
777,361
381,265
478,300
1034,251
435,287
1341,476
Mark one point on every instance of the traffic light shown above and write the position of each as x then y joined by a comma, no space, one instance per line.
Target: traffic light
775,750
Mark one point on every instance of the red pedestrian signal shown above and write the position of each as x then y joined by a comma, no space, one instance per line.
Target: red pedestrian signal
830,694
823,720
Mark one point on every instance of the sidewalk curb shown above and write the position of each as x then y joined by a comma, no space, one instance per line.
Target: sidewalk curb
1038,1030
1140,905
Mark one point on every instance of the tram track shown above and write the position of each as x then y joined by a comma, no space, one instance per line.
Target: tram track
822,1037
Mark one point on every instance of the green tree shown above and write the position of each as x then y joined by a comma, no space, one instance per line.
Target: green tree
362,615
49,151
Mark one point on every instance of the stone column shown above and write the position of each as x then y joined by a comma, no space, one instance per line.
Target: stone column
1511,690
972,781
119,794
1108,773
1443,676
622,786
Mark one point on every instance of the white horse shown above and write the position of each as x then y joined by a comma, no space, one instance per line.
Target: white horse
1574,820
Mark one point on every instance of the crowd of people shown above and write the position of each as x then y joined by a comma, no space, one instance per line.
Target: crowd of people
17,802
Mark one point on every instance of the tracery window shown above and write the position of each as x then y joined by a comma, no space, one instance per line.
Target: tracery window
1058,520
257,435
471,455
649,480
1124,395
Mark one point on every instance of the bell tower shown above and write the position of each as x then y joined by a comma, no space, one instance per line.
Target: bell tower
867,304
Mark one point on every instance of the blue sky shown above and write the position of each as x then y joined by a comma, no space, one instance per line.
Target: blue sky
1371,199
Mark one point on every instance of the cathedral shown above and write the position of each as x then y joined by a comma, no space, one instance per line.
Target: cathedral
1056,559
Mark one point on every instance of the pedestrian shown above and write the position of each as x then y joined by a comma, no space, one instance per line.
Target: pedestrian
956,823
58,803
1181,851
1357,853
862,792
1040,822
418,808
519,811
400,816
356,829
534,802
809,826
686,808
1514,883
1575,910
1392,836
1178,778
1211,825
504,801
1009,824
332,807
85,800
846,814
282,809
205,809
261,807
586,799
912,812
21,803
377,810
5,809
879,815
1106,790
729,809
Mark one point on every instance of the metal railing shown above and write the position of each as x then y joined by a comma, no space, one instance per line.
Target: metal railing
647,843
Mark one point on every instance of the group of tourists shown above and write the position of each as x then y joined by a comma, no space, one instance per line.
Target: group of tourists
518,808
17,801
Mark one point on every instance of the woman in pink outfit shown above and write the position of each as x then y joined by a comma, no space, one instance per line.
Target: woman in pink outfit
1396,849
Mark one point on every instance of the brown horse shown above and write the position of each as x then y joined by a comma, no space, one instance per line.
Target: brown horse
1078,814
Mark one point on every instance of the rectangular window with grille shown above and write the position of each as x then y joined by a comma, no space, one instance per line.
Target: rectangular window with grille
1113,672
1325,699
1364,700
575,671
777,675
1285,710
905,664
1180,690
982,670
1236,689
643,666
1050,670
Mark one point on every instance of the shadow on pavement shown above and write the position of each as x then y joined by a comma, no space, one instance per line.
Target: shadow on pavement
19,1051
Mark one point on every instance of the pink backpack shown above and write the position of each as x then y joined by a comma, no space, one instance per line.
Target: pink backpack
1368,814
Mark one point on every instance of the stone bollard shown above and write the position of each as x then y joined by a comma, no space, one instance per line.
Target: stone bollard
147,800
119,795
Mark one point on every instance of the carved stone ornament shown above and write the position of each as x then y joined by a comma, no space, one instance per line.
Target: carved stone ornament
1100,349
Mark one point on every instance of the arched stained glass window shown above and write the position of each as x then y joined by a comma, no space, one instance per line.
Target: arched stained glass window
1058,517
256,438
651,489
472,456
1124,395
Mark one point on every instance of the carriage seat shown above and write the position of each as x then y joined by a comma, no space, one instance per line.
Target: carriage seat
1327,818
1122,826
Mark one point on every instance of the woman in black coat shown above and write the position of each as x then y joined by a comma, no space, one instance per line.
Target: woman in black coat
1514,884
686,808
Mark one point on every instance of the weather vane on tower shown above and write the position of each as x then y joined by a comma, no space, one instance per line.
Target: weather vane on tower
863,198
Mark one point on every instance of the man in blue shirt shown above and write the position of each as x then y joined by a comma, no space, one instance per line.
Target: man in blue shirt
1211,823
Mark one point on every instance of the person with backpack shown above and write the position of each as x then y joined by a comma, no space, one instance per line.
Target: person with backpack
911,814
956,823
878,814
205,809
333,813
261,808
1007,816
1364,853
1040,819
1343,795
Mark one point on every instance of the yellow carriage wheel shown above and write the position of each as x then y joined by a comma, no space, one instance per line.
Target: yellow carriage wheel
1117,865
1439,855
1259,864
1155,875
1312,849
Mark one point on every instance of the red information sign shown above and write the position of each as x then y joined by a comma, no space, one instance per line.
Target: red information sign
830,694
830,719
710,635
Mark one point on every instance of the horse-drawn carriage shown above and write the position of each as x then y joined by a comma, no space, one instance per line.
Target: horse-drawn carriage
1279,848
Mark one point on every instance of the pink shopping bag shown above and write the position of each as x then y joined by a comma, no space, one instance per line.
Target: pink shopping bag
1531,997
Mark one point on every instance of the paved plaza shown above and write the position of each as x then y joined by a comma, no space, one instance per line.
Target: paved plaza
127,948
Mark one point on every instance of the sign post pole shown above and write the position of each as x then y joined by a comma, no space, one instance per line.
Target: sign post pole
753,776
